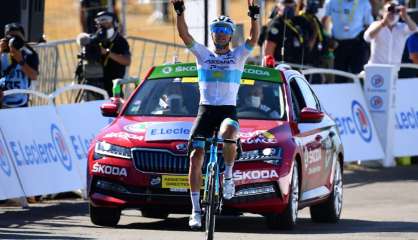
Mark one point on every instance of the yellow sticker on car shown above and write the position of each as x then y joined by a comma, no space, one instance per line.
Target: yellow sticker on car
247,81
177,181
189,80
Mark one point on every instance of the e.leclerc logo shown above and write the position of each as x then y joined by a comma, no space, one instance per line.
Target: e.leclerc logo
376,102
4,160
62,149
377,81
37,153
358,123
361,121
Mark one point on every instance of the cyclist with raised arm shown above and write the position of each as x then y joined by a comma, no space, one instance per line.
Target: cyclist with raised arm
219,74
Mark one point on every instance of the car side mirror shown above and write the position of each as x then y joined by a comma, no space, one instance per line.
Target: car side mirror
109,109
311,115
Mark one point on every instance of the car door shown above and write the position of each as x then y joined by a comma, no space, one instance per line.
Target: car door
315,139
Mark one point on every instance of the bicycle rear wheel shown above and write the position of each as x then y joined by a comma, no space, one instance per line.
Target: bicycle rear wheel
210,214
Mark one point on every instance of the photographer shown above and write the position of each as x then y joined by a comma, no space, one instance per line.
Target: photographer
105,55
388,36
18,65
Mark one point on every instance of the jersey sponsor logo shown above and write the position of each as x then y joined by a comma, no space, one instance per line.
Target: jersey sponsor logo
220,61
254,175
109,170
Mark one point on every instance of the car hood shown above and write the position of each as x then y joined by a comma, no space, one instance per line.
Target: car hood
132,132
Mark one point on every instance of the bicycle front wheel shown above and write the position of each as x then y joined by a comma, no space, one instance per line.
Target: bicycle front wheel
210,207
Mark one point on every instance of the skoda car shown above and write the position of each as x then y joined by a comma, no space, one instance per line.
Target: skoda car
292,154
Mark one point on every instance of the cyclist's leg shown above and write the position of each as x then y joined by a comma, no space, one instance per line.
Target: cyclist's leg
202,128
229,130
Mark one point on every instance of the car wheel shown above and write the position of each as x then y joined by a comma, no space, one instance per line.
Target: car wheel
154,213
330,210
104,216
287,219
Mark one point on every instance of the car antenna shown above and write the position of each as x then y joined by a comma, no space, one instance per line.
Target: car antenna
173,24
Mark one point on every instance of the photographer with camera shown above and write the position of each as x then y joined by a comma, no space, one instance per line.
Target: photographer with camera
18,65
388,36
104,56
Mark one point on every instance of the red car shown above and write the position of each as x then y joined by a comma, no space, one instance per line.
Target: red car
292,153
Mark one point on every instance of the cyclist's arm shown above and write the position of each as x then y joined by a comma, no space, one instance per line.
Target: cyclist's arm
182,28
254,31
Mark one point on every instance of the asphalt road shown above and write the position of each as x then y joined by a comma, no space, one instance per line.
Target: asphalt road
378,204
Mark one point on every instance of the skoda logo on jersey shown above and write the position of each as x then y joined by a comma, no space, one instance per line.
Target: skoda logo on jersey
4,160
167,70
376,102
377,81
63,152
361,121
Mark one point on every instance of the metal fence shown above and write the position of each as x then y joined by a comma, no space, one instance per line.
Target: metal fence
58,62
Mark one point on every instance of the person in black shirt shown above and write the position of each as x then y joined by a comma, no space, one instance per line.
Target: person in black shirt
293,30
88,11
115,54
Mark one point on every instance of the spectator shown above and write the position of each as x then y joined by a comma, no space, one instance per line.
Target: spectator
115,55
264,28
90,8
291,30
412,46
388,36
349,19
18,65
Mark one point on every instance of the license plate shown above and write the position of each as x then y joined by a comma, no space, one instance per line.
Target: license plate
177,182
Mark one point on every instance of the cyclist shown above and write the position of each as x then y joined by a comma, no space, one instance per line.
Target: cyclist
219,74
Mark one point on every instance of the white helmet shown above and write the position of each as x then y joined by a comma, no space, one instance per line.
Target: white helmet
223,21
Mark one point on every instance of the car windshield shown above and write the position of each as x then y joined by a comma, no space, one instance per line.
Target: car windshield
180,97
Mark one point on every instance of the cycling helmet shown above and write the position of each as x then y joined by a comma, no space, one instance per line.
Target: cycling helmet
223,21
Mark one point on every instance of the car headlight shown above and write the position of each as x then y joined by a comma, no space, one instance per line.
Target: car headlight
269,155
107,149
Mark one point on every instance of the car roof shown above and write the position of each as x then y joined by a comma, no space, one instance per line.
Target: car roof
252,72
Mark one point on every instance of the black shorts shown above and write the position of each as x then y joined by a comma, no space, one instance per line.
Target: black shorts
210,117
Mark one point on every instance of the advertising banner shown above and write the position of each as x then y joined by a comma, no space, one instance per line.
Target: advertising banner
346,105
9,184
405,142
38,146
82,122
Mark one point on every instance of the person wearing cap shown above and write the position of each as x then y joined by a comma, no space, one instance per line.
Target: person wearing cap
349,20
388,36
288,35
219,75
18,65
90,8
115,53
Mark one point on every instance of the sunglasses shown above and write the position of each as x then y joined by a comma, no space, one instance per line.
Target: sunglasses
222,29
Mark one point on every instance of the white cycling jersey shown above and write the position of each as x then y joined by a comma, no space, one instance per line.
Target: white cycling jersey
219,75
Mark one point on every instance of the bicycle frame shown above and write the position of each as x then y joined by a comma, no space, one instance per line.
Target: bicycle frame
212,165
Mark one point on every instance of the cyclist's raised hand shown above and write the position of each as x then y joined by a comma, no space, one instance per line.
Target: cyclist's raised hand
178,6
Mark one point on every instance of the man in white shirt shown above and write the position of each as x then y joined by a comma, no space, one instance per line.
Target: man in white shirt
388,36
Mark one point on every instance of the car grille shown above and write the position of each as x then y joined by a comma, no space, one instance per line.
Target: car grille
164,161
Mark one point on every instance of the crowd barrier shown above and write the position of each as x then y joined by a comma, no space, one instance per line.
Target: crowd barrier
43,150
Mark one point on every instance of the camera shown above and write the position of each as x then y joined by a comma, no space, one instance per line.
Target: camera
394,8
90,44
13,41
